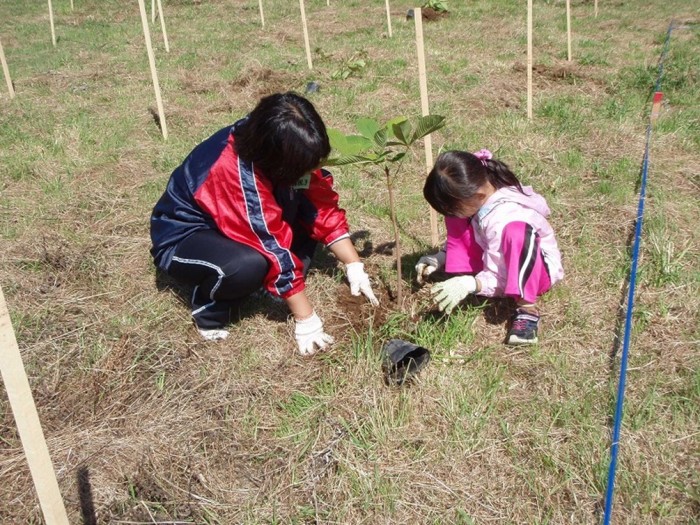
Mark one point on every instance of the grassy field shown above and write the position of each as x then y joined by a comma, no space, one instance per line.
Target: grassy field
147,424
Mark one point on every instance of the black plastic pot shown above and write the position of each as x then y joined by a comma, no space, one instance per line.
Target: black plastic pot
402,361
313,87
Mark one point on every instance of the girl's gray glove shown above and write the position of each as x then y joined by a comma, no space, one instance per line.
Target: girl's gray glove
428,264
451,292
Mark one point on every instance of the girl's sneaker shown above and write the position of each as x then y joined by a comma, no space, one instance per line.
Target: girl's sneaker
523,331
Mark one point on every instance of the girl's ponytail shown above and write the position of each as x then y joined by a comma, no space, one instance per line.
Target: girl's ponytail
499,175
497,172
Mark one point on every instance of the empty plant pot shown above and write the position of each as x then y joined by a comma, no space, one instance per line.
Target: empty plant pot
313,87
402,361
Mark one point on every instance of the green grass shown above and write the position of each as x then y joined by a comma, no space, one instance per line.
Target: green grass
245,431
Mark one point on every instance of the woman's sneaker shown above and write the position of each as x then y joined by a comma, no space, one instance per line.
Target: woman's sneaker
217,334
523,330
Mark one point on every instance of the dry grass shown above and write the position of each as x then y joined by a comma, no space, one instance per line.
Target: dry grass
147,424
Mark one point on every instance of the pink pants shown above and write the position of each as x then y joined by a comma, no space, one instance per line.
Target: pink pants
524,269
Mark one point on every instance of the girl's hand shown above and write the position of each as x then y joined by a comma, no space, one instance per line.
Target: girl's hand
429,264
451,292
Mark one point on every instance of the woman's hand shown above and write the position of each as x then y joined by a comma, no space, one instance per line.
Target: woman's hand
359,281
309,335
354,269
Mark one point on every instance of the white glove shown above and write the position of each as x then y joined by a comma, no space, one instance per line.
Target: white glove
309,334
359,281
428,264
451,292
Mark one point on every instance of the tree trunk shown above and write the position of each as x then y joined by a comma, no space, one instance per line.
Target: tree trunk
397,239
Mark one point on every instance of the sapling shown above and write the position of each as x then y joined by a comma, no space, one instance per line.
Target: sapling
439,6
385,147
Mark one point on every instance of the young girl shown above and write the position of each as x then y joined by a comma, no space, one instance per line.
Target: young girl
497,230
246,210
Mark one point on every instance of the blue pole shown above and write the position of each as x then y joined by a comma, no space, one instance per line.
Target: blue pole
630,305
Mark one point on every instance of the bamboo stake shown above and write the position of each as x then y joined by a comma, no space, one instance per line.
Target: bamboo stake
162,25
595,8
423,83
53,31
154,73
153,11
71,5
388,17
306,34
529,59
6,72
568,30
262,14
31,435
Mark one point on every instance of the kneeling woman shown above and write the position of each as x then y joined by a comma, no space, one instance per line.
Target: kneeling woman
246,210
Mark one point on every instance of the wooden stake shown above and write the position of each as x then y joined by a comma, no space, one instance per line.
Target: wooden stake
262,14
388,17
306,34
53,31
31,435
154,73
423,83
6,72
153,11
595,8
162,26
71,5
529,59
568,30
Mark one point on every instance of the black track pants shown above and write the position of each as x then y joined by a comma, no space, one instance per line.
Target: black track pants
224,272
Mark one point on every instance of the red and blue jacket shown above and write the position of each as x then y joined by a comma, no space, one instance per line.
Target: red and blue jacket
215,189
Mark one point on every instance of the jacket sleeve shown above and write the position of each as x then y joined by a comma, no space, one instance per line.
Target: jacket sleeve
324,220
244,209
490,279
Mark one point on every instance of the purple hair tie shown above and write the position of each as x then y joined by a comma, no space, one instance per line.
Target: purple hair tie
484,155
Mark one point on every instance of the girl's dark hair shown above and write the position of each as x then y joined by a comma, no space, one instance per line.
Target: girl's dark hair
284,137
458,175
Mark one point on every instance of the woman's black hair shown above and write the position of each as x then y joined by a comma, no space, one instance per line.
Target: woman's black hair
284,137
458,175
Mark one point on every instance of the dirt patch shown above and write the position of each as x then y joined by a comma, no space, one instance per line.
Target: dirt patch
567,73
263,81
355,314
431,15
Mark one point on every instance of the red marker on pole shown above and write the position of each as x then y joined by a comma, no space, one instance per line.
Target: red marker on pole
656,105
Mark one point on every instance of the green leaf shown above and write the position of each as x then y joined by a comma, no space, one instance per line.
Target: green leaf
337,139
357,144
402,130
389,126
367,127
344,160
347,144
397,157
426,125
379,138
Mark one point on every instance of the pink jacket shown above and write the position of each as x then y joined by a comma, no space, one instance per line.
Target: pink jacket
506,205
